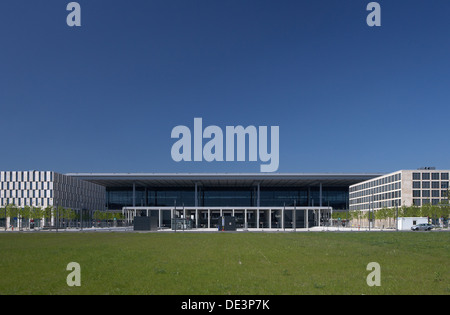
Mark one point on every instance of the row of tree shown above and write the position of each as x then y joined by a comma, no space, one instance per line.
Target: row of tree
390,214
66,217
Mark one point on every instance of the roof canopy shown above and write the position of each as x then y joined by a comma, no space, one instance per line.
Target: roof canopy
224,179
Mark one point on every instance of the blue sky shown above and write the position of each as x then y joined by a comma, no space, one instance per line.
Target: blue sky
104,97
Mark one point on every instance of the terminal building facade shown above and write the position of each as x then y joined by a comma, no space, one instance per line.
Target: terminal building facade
257,200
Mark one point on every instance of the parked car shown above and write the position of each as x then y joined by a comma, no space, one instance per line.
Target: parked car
422,227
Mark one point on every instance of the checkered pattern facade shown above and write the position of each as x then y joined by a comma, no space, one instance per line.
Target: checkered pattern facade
46,188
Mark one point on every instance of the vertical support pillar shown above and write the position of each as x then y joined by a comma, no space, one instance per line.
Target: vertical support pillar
294,216
146,197
258,196
257,218
196,218
196,196
270,218
320,195
306,219
159,218
134,194
245,219
209,218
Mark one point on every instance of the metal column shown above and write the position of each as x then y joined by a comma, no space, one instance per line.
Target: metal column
196,218
320,195
134,194
196,196
245,219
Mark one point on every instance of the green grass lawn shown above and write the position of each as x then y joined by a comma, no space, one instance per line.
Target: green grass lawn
225,263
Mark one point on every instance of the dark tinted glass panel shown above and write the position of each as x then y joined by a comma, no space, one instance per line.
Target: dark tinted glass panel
227,198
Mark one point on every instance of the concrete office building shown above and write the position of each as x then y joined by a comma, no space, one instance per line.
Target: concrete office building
400,188
48,189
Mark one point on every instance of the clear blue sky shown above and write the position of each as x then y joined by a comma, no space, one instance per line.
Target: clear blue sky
104,97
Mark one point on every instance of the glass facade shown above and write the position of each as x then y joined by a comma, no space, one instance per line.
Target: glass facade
116,198
336,197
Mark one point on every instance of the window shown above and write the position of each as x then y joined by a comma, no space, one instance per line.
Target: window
425,193
425,176
416,202
435,193
416,176
435,176
444,176
444,185
425,184
416,193
435,185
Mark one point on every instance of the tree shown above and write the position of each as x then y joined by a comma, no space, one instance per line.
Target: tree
391,213
47,214
426,210
37,213
411,211
382,214
25,213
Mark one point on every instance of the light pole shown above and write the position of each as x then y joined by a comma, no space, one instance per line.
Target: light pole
57,217
396,215
295,215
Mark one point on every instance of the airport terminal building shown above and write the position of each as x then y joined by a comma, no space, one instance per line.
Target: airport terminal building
256,200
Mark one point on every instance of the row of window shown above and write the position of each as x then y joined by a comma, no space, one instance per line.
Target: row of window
376,190
377,182
25,185
377,205
443,185
43,180
26,194
426,193
379,197
421,202
26,176
428,176
20,202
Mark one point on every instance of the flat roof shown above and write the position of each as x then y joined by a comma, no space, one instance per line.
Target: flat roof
224,179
